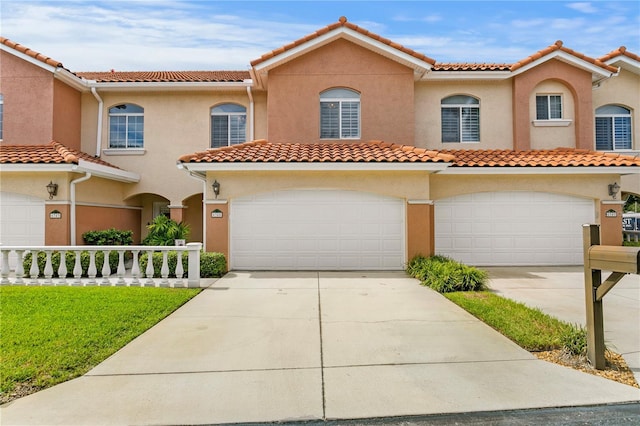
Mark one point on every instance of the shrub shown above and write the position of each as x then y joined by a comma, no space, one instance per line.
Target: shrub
446,275
70,262
574,340
164,231
212,265
108,237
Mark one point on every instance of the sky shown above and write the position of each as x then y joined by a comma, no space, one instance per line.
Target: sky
155,35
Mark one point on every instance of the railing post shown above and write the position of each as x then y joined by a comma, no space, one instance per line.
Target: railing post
193,278
106,269
77,268
135,269
5,267
20,267
48,268
34,271
121,270
592,280
62,268
164,270
149,271
92,271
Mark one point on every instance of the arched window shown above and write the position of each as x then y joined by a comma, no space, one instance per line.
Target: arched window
228,125
339,114
460,119
126,126
613,128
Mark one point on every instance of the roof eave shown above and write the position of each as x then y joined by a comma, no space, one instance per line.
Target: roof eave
626,63
467,75
83,166
541,170
169,85
419,66
596,71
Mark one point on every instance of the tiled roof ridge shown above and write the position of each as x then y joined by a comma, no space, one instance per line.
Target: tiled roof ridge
68,156
342,22
620,51
471,66
30,52
558,45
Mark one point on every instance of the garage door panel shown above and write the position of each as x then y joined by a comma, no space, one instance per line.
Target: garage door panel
319,229
522,228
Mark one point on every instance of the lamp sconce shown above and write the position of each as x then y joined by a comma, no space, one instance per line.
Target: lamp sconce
614,188
216,188
52,189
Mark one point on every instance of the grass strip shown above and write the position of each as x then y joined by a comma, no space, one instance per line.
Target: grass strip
530,328
52,334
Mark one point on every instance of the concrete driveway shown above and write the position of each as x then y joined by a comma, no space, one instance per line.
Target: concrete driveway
559,291
266,347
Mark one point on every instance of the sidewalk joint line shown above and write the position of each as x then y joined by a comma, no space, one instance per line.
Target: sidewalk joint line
163,373
324,399
396,364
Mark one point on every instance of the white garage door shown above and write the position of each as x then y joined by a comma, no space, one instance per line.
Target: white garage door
21,221
317,230
512,228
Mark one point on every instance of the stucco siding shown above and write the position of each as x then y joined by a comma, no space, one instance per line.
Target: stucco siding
385,87
496,131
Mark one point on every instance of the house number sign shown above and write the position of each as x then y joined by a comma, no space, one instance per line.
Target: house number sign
55,214
611,213
216,214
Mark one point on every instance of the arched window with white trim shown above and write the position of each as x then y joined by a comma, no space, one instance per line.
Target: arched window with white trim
339,114
228,125
613,128
460,119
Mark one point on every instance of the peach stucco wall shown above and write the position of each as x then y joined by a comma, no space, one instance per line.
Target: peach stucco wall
28,102
623,90
385,87
57,231
553,137
496,125
577,81
420,230
96,218
66,115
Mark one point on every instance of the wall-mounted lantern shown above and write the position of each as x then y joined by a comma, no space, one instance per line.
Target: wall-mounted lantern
52,189
614,188
216,188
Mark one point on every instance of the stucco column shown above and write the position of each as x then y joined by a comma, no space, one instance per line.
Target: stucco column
176,212
217,226
420,228
611,223
57,230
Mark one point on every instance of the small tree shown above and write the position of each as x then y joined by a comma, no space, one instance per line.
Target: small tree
164,231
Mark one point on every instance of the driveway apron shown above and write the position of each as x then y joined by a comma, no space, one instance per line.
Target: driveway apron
293,346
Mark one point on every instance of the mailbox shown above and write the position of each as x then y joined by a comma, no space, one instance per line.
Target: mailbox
614,258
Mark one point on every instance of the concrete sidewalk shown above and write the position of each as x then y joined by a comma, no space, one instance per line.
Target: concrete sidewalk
559,291
266,347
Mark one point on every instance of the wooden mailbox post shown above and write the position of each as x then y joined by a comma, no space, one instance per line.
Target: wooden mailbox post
620,261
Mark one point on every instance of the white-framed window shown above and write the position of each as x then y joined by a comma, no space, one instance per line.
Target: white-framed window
126,126
460,116
228,125
339,114
1,115
613,128
548,107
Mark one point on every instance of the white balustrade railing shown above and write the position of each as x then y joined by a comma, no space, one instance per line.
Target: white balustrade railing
631,235
12,270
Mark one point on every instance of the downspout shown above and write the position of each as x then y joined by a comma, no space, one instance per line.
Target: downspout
251,119
99,132
72,190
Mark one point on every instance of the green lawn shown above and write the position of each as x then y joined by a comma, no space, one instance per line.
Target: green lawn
52,334
530,328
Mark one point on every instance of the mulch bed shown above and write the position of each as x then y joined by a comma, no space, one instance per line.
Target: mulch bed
616,368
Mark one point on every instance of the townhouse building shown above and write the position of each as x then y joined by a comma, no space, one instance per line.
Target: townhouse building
340,150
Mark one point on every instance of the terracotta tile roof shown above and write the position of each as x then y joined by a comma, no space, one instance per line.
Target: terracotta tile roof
471,67
52,153
558,46
262,151
166,76
342,22
32,53
620,51
559,157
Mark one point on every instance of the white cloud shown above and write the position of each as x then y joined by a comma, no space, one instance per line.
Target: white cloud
584,7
